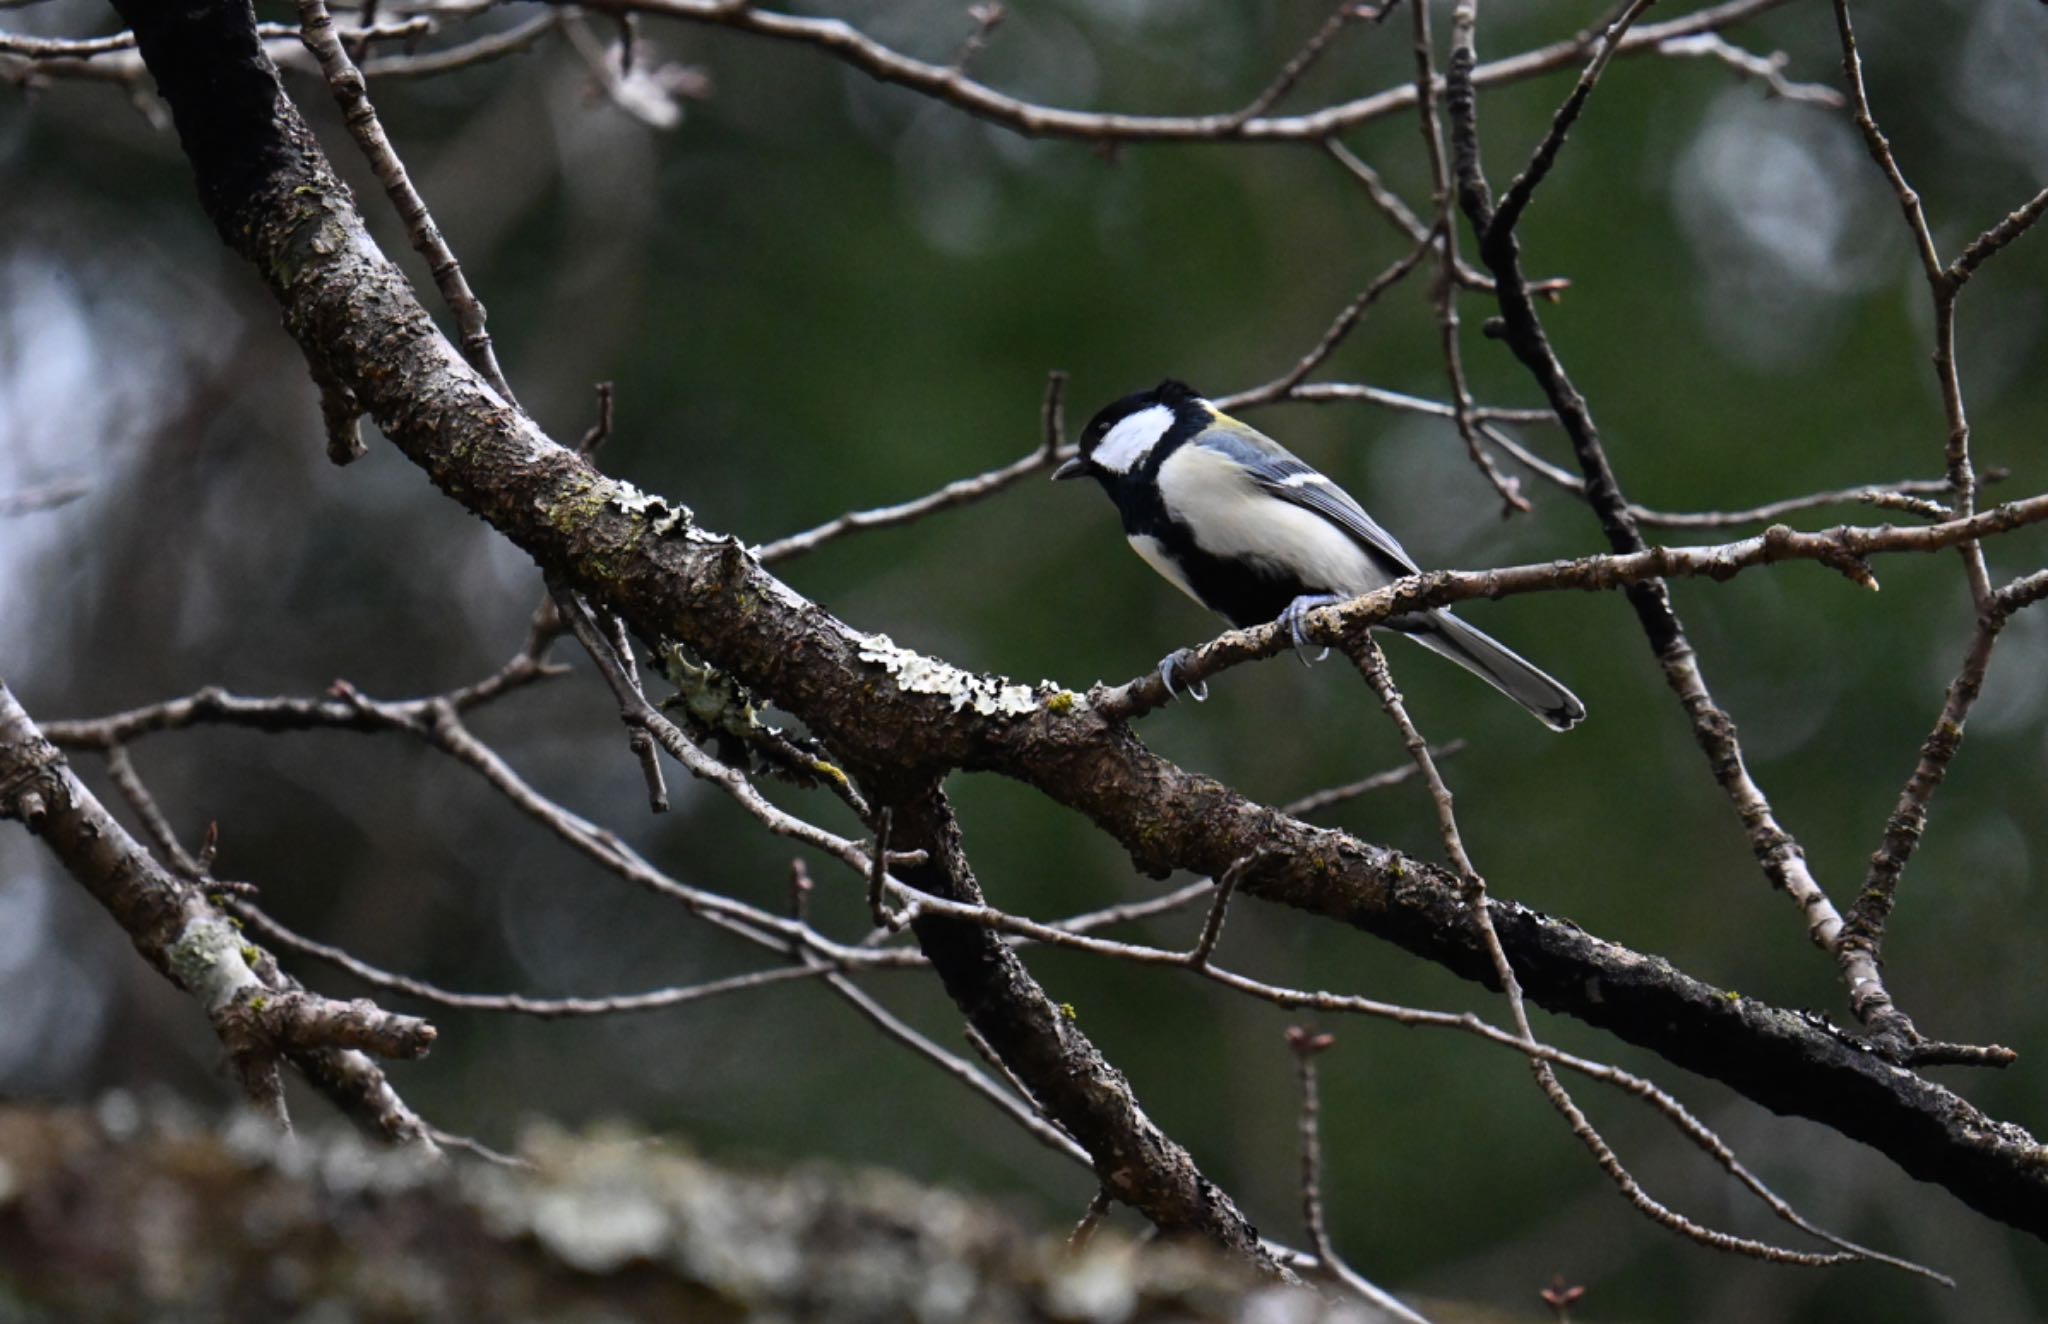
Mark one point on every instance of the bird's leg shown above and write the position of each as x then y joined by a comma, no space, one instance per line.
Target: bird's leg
1295,616
1174,661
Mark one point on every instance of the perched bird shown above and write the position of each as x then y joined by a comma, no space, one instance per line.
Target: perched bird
1240,525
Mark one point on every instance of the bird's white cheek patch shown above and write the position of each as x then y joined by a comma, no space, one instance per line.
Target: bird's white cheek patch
1126,445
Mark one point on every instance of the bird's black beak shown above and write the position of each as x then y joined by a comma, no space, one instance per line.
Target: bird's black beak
1074,468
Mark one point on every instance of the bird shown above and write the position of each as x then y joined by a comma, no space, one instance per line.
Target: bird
1237,522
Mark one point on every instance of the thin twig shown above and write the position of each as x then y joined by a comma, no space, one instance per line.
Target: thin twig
2017,223
600,430
988,15
352,94
960,492
519,1004
465,55
1343,16
1372,665
1340,327
1778,853
1911,496
1091,1219
1766,69
1299,998
1307,1047
1863,929
1845,549
1379,781
1445,235
836,38
1943,286
1212,926
1390,205
473,1146
878,875
1401,402
1047,1134
86,48
635,710
1523,187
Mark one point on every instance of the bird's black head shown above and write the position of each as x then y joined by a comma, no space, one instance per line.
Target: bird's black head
1124,434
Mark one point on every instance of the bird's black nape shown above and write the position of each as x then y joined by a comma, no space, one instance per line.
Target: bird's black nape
1172,392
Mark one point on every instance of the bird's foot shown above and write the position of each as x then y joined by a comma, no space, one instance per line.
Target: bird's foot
1295,619
1174,661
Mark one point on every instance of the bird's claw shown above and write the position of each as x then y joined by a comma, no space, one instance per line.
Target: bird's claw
1174,661
1295,619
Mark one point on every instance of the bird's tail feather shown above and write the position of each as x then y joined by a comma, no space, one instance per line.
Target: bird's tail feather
1499,666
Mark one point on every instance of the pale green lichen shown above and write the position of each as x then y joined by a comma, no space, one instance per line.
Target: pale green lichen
914,673
207,959
662,518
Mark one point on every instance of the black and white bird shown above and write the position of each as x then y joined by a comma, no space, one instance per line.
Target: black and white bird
1232,519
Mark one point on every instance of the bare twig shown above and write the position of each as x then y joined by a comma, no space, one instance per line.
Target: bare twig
1379,781
86,48
1023,1114
518,1004
1372,665
1859,950
1307,1047
1445,234
600,430
353,96
1342,326
1523,187
840,40
1212,927
1400,402
1091,1219
988,15
1862,940
1943,286
878,875
464,55
1845,549
1777,851
1766,69
1343,16
1997,237
1390,205
1911,496
636,711
960,492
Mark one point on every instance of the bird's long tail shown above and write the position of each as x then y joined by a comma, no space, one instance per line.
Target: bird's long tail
1498,665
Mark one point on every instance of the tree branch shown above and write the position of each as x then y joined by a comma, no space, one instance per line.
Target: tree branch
274,199
259,1013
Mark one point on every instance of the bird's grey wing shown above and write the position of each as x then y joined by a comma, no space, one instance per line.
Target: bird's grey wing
1279,472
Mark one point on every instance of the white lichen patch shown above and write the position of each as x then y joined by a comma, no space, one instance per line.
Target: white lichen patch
662,518
915,673
207,958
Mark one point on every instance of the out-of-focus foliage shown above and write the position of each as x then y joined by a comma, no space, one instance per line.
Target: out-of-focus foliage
819,292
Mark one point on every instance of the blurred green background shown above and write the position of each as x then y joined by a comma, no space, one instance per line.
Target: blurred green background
819,293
